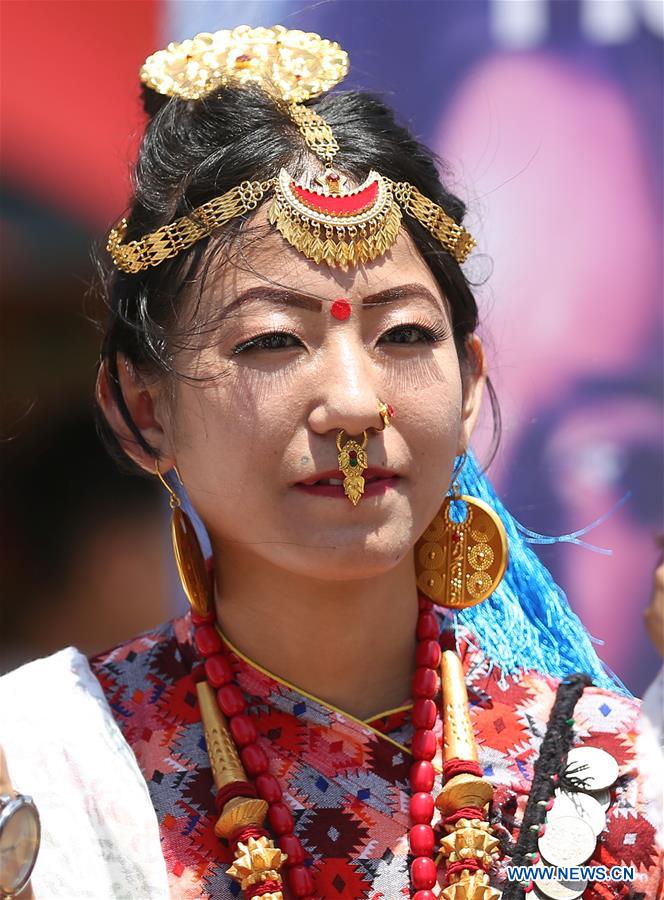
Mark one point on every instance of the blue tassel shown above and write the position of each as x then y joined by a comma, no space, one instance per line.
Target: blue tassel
527,622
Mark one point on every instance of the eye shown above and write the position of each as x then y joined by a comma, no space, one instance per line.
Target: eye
416,333
271,340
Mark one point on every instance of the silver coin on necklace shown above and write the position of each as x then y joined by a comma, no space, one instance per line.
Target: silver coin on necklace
552,889
580,805
597,768
567,841
603,797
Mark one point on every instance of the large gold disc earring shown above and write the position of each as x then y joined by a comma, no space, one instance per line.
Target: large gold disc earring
460,563
188,554
352,462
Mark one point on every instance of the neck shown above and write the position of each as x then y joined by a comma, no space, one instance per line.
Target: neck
349,643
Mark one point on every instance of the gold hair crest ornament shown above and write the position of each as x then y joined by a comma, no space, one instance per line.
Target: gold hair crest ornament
326,220
293,65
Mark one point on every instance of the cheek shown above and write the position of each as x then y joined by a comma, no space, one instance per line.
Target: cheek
430,403
226,442
430,420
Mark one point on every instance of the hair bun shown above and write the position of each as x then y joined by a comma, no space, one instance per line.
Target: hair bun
152,100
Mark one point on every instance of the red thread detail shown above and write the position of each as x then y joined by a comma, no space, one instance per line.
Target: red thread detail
466,812
267,887
454,868
231,791
461,767
243,834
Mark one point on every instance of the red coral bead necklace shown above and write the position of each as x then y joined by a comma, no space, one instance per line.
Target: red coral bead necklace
217,670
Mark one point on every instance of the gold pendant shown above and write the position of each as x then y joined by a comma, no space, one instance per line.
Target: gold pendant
352,462
333,224
459,564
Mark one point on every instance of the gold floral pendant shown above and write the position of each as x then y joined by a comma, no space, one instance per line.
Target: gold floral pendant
352,462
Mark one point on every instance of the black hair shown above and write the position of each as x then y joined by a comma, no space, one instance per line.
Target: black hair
193,151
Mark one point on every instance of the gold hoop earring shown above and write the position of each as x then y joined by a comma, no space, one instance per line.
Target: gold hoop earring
352,462
460,562
188,554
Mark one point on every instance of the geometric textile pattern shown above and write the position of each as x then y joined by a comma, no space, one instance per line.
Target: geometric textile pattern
346,781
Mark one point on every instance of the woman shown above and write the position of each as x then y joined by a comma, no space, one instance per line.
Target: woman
291,341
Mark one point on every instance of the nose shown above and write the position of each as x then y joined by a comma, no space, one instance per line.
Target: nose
348,396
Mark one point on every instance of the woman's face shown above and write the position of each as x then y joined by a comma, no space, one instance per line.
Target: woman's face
289,377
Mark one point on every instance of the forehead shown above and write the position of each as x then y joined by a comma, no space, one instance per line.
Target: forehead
261,254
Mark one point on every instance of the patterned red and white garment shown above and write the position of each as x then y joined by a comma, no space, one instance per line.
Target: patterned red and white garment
345,780
114,754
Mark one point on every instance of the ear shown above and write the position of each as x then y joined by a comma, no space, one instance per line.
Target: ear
141,400
474,380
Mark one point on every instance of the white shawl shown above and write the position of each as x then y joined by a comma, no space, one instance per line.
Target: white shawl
100,836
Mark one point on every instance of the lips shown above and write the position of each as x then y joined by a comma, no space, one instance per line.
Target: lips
335,476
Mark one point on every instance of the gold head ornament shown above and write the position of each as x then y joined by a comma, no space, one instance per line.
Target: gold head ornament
326,218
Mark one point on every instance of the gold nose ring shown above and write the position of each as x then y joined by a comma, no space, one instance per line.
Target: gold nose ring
386,411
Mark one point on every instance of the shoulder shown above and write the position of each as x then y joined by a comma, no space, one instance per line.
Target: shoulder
147,679
65,675
66,751
173,637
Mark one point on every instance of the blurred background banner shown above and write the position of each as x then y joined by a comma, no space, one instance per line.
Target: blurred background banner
548,117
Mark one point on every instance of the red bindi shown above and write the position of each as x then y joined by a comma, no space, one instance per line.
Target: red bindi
340,309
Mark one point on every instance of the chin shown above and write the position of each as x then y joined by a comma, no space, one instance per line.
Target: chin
347,561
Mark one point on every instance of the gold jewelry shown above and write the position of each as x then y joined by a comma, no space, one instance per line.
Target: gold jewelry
325,220
331,223
467,838
386,411
352,462
169,240
442,227
187,551
460,563
316,132
294,65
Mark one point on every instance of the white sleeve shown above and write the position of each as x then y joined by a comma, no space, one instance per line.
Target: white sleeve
100,836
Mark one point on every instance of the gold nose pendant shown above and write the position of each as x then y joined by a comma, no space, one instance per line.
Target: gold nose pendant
352,462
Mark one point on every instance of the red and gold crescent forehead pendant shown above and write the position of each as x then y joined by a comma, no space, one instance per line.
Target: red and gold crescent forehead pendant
334,225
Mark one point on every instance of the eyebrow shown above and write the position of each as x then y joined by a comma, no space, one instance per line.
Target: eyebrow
288,297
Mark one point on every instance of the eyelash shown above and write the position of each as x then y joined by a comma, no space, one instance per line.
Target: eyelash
432,334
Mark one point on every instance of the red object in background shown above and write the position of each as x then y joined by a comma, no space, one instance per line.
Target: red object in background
71,111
